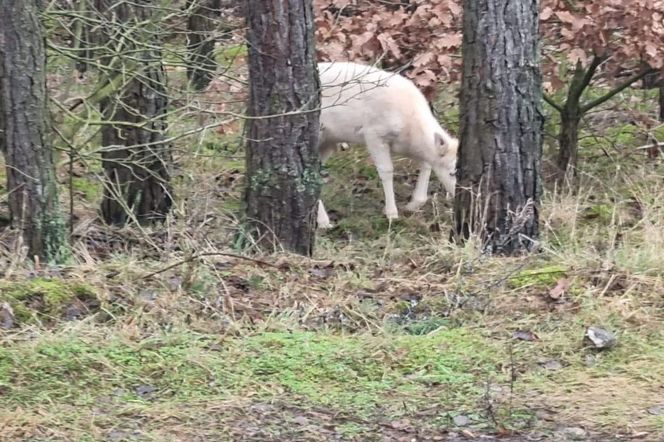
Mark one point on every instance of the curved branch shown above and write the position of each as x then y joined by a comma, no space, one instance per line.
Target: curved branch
581,79
627,83
552,103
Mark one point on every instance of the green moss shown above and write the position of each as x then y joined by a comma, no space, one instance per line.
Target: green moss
229,54
41,298
424,326
601,213
543,276
56,246
659,133
91,189
228,144
351,430
351,373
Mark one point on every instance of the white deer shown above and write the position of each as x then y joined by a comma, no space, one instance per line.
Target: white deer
385,111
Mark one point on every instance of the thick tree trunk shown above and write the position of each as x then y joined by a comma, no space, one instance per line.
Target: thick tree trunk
26,136
136,159
201,24
499,187
283,167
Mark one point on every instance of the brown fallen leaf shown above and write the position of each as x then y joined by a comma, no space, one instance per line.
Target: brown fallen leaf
559,290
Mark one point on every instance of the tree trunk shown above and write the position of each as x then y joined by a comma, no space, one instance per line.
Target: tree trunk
570,118
499,187
573,109
201,24
661,103
283,167
136,159
26,136
568,141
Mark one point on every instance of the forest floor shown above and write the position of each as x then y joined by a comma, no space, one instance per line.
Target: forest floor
390,333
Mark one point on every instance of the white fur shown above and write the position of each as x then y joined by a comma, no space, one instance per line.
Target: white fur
387,113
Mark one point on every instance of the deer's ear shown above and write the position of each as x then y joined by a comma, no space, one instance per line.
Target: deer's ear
440,143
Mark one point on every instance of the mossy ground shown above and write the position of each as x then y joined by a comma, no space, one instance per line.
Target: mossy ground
47,299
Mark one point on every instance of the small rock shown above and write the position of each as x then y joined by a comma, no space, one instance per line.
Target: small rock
400,425
145,391
147,295
525,335
552,364
600,338
574,433
657,410
461,420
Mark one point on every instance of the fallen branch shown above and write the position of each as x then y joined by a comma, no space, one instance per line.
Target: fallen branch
650,146
200,255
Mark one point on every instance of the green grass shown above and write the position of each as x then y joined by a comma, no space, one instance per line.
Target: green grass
90,189
388,327
347,372
362,375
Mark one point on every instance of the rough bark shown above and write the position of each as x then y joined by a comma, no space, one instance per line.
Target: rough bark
568,143
570,118
654,80
136,159
498,187
283,167
82,41
201,25
26,136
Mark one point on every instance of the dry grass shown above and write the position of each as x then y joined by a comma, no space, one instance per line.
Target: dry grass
372,280
388,333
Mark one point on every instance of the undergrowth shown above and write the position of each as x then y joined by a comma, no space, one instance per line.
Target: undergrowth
389,332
